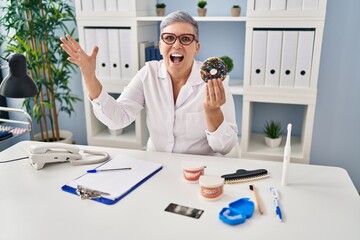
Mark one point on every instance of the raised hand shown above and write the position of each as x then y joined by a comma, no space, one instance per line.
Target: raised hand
215,94
214,99
86,63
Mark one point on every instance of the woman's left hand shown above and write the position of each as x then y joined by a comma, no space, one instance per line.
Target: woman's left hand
215,95
214,99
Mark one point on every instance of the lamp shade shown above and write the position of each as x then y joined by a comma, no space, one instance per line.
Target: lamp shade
17,84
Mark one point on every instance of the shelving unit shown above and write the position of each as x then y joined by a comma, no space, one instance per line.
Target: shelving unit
90,17
310,16
16,127
143,26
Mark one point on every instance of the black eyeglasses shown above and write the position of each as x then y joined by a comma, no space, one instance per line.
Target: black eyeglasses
185,39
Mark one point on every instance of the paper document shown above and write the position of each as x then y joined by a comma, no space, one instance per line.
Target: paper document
116,183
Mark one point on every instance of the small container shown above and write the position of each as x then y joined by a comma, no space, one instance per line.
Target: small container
237,212
212,187
192,171
116,132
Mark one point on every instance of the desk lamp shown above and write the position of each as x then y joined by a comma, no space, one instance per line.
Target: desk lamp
17,84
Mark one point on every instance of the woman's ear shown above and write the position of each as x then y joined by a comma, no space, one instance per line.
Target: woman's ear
197,48
160,47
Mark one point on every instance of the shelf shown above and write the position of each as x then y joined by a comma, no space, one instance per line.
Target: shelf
258,149
126,140
13,125
198,19
236,86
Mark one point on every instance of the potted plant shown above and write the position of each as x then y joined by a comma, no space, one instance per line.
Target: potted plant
229,64
202,10
235,10
33,28
160,9
272,131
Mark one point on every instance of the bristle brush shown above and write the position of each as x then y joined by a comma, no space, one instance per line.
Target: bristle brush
242,175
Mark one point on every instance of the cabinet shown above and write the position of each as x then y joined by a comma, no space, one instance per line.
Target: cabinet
275,19
113,26
282,57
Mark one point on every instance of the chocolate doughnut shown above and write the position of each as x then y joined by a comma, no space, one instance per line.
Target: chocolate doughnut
212,68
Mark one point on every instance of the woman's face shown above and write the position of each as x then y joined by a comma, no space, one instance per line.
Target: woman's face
179,58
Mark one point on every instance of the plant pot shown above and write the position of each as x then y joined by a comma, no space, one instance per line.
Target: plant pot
273,142
116,132
201,12
160,12
235,12
65,137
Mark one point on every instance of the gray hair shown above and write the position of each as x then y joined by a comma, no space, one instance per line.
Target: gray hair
180,16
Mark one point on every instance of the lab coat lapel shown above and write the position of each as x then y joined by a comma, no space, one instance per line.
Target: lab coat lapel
167,86
186,91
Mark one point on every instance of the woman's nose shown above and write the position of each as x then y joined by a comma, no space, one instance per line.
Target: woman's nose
177,44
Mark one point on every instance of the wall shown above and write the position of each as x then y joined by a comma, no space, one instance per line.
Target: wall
336,136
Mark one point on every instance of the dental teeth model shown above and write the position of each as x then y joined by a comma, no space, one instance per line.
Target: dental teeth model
192,171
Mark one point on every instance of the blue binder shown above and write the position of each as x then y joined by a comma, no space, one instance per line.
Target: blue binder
115,185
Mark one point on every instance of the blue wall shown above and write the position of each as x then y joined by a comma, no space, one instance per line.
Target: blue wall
336,136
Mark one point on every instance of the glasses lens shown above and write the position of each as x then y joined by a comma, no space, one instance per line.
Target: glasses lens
186,39
168,38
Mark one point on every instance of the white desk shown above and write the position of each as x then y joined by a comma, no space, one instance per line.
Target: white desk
319,203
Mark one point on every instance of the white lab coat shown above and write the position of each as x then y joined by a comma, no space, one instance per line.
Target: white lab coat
179,128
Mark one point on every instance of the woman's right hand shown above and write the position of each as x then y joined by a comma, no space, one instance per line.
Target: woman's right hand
86,63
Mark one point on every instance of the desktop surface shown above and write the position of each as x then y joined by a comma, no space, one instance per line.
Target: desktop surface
318,203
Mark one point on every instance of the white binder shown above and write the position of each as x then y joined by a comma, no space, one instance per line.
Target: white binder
262,4
124,5
288,58
258,58
278,5
294,5
102,63
111,5
125,52
304,59
310,4
273,57
90,39
114,54
99,5
87,5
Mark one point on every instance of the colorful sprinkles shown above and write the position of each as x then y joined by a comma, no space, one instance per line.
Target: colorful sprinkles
212,68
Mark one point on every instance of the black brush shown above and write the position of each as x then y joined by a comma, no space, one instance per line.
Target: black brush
242,175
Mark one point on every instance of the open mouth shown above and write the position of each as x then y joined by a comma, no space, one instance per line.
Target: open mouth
176,58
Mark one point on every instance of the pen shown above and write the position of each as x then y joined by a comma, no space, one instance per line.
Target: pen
276,203
109,169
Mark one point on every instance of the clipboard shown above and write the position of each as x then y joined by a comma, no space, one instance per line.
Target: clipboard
114,185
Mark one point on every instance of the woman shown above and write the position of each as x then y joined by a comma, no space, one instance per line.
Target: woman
183,113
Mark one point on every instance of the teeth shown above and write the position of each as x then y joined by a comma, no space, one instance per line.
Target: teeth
210,191
191,175
176,55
